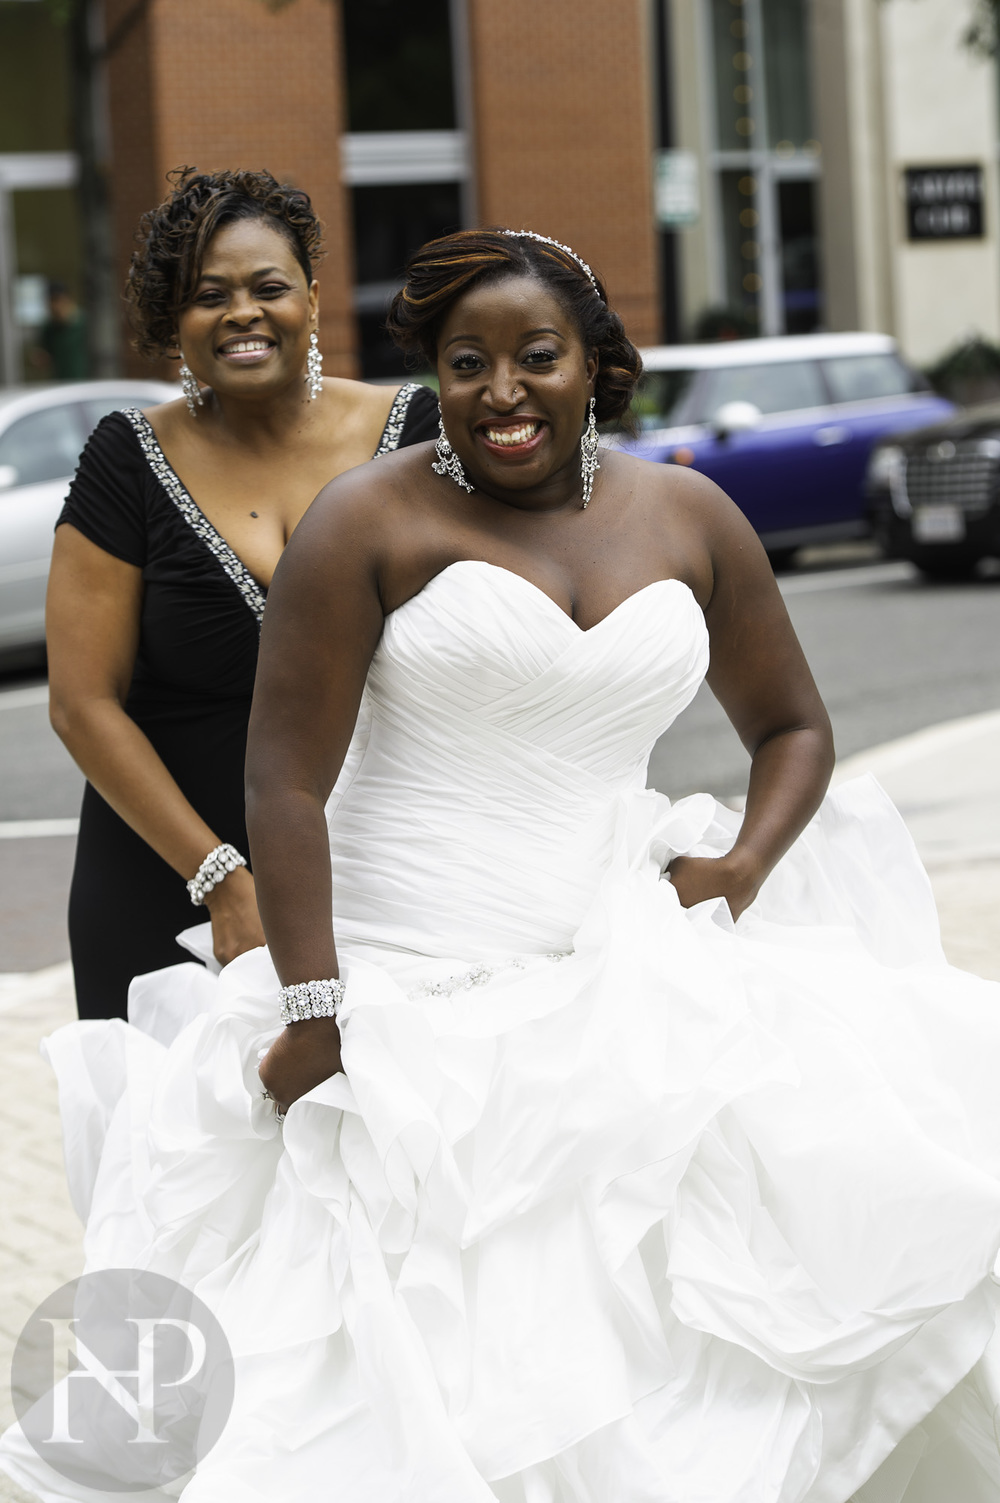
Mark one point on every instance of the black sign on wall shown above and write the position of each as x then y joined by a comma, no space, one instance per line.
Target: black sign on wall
944,203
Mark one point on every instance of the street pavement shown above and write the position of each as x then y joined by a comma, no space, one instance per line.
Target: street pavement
890,652
40,791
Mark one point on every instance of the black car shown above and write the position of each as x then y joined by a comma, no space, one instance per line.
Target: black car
934,493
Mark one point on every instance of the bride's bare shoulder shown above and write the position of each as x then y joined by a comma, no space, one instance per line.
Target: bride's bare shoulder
684,496
371,502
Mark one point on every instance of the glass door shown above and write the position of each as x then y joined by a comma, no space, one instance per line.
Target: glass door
766,162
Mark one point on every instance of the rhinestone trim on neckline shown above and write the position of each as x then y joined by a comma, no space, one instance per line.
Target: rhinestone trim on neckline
193,514
396,421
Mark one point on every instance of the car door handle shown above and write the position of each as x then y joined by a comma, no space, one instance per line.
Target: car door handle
827,437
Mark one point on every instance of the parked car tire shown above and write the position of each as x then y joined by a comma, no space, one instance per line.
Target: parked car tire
947,566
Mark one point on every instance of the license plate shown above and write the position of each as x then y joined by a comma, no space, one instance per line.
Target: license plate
938,524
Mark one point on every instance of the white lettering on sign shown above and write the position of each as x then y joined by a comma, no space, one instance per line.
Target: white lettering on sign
944,203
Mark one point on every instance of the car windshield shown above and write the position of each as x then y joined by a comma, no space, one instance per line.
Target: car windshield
662,398
784,386
857,378
43,445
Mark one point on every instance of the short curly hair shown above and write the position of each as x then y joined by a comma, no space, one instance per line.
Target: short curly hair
173,238
443,270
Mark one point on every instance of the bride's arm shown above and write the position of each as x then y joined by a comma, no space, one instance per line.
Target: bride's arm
761,678
321,627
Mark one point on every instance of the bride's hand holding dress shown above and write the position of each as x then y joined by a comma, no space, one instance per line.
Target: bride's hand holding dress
302,1057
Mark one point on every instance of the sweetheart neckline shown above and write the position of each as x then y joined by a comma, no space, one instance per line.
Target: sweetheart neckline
583,631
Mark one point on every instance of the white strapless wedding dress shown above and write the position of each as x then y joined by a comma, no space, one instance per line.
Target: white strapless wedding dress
615,1202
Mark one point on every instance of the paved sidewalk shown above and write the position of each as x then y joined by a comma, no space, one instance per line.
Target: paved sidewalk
946,782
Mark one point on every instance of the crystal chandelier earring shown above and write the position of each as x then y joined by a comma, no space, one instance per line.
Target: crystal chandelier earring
191,389
314,367
448,462
589,465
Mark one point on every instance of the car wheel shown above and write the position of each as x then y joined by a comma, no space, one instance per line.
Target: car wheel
947,566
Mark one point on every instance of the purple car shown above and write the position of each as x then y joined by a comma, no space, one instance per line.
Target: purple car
785,426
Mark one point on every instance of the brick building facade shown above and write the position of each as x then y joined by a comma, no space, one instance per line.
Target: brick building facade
562,135
233,84
558,140
738,159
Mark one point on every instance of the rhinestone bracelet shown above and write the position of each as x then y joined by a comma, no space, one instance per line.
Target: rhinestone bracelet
216,865
311,999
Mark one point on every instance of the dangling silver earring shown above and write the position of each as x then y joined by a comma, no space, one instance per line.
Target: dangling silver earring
314,367
589,465
448,462
191,389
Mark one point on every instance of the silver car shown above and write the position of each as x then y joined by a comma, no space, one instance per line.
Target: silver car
42,430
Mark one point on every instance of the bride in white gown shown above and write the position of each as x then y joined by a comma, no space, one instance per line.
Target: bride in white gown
606,1185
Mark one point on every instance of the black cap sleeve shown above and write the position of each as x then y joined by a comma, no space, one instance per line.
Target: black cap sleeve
108,497
422,418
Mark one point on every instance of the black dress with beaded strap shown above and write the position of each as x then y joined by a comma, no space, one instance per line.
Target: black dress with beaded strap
190,692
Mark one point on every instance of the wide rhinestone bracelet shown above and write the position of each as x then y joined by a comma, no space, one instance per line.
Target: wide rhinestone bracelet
311,999
216,865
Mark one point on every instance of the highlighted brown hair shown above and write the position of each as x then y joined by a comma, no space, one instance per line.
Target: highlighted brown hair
443,270
173,238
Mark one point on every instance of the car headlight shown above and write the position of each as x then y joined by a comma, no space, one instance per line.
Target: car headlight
885,468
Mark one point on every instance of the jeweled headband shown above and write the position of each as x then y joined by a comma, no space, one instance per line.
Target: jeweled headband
547,240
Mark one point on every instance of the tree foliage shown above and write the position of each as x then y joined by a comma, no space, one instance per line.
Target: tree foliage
983,31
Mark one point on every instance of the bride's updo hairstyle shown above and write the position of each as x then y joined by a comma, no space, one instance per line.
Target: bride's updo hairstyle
173,238
441,271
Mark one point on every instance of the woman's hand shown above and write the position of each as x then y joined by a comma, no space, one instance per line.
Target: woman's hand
236,926
698,878
305,1055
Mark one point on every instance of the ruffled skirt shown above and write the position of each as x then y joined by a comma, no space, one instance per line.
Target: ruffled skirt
695,1213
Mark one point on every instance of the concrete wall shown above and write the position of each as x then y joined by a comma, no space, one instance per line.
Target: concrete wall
699,245
941,107
848,81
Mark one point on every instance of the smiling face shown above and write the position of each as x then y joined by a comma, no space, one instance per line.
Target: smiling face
245,331
515,382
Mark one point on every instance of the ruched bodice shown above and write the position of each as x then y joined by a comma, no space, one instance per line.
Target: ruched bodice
478,803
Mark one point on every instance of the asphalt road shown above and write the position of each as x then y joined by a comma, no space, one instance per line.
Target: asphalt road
891,654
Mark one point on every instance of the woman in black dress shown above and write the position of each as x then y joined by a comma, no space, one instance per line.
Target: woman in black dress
162,558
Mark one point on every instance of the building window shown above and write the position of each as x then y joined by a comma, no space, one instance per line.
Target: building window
399,65
390,222
405,156
766,164
39,222
787,73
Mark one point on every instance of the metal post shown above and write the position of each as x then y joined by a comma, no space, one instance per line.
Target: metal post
10,361
461,67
